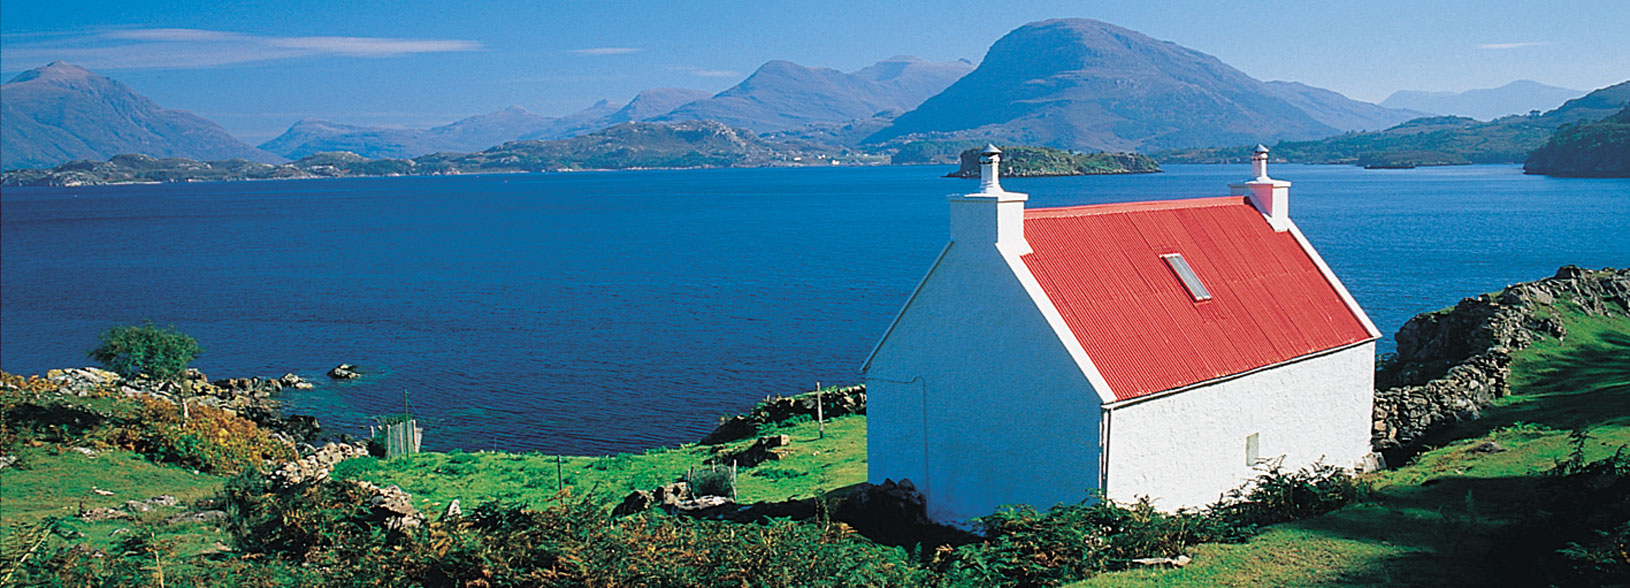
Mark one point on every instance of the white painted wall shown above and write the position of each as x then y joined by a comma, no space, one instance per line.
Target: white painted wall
972,396
1188,448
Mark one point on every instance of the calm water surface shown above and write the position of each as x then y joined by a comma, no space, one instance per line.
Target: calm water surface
598,312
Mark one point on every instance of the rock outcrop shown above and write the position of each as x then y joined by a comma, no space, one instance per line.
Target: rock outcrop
762,450
1452,363
315,467
251,398
394,507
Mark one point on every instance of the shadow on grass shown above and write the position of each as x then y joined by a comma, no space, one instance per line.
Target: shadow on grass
1578,386
1462,531
1478,531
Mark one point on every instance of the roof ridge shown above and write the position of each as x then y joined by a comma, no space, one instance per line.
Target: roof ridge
1119,207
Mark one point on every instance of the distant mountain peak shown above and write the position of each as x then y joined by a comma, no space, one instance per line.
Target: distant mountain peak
1087,84
62,112
56,71
1517,97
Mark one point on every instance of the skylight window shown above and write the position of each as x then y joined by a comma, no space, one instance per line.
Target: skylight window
1185,273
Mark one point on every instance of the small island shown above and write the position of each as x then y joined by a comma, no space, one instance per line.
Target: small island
1029,162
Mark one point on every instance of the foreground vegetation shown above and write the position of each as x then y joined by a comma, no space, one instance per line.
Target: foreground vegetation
1535,492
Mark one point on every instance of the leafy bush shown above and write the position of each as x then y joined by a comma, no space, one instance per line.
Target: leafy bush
146,349
712,481
210,439
1068,543
1587,516
1276,496
325,523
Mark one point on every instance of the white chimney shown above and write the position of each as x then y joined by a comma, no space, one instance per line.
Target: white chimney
991,215
1270,197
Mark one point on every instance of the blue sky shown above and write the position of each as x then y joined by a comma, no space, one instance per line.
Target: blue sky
257,67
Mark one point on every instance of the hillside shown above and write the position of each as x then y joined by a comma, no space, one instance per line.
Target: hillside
1519,97
625,146
61,112
782,95
630,145
1029,162
112,488
1088,85
1598,149
1442,140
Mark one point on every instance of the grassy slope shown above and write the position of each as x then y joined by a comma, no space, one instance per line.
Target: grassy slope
813,466
1441,519
53,482
57,482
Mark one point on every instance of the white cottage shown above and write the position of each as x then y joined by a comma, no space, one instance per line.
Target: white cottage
1163,349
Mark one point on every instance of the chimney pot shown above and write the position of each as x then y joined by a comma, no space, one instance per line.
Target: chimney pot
1270,197
990,170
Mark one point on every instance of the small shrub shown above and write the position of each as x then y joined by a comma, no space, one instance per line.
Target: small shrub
355,468
1277,496
132,350
1604,556
712,481
211,439
777,473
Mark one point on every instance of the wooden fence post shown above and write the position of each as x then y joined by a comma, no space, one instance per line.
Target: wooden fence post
820,409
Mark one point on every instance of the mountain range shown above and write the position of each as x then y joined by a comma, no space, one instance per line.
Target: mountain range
474,133
779,96
1066,83
782,95
1519,97
61,112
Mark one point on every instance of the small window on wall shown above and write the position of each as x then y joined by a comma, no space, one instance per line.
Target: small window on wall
1253,450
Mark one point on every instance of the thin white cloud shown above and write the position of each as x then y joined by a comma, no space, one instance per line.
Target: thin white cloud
707,73
1512,45
606,51
175,35
199,48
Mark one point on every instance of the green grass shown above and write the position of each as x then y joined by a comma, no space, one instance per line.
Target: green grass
1451,517
56,483
813,466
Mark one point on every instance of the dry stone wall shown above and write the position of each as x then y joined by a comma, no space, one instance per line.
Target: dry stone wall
1452,363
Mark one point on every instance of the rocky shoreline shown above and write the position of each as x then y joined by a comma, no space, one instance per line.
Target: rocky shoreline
251,398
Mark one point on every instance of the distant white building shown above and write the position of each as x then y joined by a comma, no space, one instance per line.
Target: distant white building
1161,349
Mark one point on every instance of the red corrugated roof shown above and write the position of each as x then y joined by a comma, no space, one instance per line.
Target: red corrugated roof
1101,267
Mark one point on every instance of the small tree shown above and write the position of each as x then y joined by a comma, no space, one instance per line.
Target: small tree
146,349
